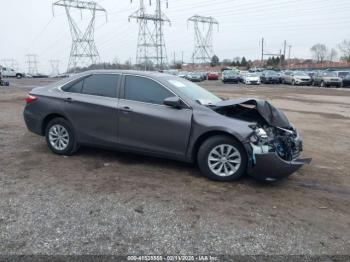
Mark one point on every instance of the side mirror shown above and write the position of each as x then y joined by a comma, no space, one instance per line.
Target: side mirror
173,102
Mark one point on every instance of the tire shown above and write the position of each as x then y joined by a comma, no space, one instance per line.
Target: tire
293,82
322,84
63,127
19,76
228,170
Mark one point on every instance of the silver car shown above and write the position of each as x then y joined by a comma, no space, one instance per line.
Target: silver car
165,116
296,78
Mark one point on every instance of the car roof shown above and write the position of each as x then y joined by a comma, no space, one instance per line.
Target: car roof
153,74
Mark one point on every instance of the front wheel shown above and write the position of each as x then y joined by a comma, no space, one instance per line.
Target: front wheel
60,137
222,158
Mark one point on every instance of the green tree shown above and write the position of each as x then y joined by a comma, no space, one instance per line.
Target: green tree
215,60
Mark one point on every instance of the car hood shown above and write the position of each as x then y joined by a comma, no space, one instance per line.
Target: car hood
272,115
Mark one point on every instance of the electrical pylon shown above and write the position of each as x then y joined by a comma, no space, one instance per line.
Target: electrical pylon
10,63
151,48
55,65
203,37
32,64
84,51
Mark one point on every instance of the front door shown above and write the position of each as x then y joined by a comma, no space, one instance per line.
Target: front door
146,124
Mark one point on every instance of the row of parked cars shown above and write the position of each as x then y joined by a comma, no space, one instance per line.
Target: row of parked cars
325,78
322,78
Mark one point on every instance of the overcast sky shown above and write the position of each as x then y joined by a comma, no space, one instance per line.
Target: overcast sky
29,27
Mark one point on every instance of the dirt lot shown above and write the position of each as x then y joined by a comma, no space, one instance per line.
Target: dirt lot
102,202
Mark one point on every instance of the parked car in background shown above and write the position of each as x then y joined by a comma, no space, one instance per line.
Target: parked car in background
270,77
182,74
195,77
252,79
204,75
346,81
230,76
166,116
326,79
213,76
9,72
296,78
342,74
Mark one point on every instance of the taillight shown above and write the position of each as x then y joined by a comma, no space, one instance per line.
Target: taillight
31,99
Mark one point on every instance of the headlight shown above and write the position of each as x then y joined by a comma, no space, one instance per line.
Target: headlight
259,136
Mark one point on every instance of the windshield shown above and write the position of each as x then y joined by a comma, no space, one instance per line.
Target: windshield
194,92
252,75
271,73
300,74
229,73
329,74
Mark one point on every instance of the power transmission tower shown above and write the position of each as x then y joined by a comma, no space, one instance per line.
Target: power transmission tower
55,65
10,63
84,51
151,49
32,64
203,48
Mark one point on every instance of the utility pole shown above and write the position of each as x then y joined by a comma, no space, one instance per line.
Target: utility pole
174,58
151,49
203,37
84,51
289,52
55,65
32,64
284,48
182,57
262,51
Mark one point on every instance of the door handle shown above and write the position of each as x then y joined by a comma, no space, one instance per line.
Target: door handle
68,100
126,109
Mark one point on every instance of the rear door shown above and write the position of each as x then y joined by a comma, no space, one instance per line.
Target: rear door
91,106
148,125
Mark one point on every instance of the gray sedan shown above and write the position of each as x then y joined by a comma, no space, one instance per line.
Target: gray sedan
165,116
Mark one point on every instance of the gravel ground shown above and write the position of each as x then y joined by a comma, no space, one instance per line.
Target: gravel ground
103,202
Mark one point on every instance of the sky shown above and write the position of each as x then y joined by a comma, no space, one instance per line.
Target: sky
33,27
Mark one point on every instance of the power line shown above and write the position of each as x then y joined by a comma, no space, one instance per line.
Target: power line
203,48
151,49
84,51
32,64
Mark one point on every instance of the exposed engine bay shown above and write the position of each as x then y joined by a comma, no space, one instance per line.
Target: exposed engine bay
271,132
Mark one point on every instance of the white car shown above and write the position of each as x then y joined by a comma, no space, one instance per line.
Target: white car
252,79
9,72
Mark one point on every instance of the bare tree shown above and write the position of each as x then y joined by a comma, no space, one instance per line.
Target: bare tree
332,54
344,48
319,52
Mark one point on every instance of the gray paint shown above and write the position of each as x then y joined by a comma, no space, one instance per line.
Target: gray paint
121,124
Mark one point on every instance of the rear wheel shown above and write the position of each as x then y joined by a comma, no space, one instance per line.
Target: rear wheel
222,158
322,84
60,137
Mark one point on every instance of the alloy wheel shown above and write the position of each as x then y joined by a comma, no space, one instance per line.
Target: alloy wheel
59,137
224,160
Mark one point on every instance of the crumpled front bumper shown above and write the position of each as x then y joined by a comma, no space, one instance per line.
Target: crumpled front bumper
270,166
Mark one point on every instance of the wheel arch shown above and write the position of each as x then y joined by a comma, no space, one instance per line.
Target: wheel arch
47,120
205,136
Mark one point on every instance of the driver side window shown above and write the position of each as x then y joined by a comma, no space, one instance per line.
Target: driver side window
145,90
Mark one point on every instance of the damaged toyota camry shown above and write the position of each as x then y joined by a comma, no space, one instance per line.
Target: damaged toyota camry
166,116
